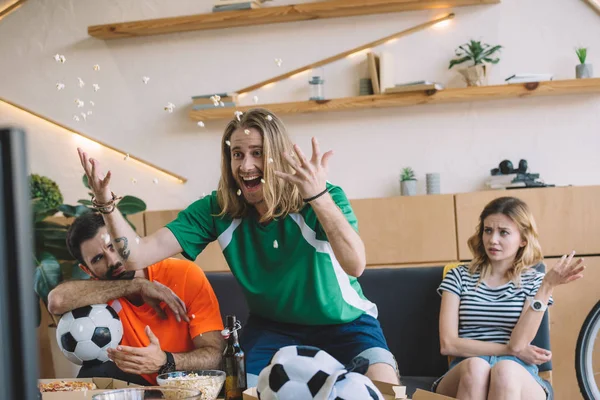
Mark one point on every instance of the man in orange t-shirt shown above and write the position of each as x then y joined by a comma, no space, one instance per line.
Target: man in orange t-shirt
170,314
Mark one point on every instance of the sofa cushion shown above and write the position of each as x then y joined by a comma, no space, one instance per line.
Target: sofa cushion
409,308
230,296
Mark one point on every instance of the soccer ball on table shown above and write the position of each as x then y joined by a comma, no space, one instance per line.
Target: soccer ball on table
305,372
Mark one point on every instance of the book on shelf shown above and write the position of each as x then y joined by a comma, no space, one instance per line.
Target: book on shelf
525,78
414,83
516,180
210,102
208,98
373,64
499,186
516,177
210,105
415,87
386,71
247,5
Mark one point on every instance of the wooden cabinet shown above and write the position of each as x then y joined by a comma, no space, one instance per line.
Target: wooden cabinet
403,230
396,230
568,218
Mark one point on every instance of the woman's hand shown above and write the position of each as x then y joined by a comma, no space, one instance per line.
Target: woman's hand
565,271
311,175
534,355
98,184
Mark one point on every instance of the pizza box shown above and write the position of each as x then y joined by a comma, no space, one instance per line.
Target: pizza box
389,391
103,384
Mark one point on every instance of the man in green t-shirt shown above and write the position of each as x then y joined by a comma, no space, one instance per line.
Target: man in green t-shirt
289,237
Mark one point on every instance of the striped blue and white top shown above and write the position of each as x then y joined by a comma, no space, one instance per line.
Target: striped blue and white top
489,314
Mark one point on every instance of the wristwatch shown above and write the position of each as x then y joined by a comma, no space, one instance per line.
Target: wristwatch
537,305
169,366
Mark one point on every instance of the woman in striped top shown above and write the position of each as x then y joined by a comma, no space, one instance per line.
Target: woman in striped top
487,316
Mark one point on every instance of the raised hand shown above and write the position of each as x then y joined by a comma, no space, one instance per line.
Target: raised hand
98,183
310,175
565,271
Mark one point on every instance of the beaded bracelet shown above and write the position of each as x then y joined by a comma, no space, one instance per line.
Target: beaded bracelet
108,207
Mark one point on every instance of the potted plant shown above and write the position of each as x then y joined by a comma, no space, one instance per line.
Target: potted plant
408,182
481,56
583,70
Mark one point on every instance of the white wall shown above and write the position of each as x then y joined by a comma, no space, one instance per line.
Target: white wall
557,135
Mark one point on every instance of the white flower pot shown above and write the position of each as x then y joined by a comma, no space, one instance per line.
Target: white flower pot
475,75
408,188
583,71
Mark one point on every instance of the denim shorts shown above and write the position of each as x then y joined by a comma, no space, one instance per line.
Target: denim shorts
492,360
261,338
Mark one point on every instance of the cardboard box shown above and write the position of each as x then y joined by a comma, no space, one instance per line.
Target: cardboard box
103,384
425,395
387,389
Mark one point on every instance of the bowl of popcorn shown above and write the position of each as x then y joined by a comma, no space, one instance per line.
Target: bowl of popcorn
208,382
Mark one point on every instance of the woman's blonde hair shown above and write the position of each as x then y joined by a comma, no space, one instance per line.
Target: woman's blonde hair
281,197
527,256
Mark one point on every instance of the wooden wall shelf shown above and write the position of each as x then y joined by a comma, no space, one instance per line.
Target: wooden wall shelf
549,88
270,15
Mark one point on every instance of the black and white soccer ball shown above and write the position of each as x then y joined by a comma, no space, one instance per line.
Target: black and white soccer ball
306,373
85,334
353,385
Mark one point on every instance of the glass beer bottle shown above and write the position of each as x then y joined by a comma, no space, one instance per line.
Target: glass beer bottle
234,361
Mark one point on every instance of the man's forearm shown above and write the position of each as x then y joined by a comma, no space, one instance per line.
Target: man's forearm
203,358
74,294
347,245
139,252
125,239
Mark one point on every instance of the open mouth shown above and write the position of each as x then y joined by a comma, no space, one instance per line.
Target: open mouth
252,182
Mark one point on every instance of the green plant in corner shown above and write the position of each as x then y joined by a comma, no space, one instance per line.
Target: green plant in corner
45,191
476,52
54,262
581,54
408,174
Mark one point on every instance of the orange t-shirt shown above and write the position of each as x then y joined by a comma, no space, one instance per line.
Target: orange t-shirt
188,281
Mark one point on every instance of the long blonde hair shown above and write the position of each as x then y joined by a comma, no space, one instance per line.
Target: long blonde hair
527,256
281,197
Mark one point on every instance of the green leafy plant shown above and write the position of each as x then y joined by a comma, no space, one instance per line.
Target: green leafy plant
46,191
476,52
581,54
54,262
407,174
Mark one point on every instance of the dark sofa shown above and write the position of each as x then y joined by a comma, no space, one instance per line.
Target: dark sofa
408,312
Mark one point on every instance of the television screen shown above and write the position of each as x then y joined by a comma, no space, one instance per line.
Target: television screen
18,356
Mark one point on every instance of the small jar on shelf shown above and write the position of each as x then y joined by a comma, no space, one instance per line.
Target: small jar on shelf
317,85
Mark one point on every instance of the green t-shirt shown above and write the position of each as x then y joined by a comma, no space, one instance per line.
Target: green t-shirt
286,268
